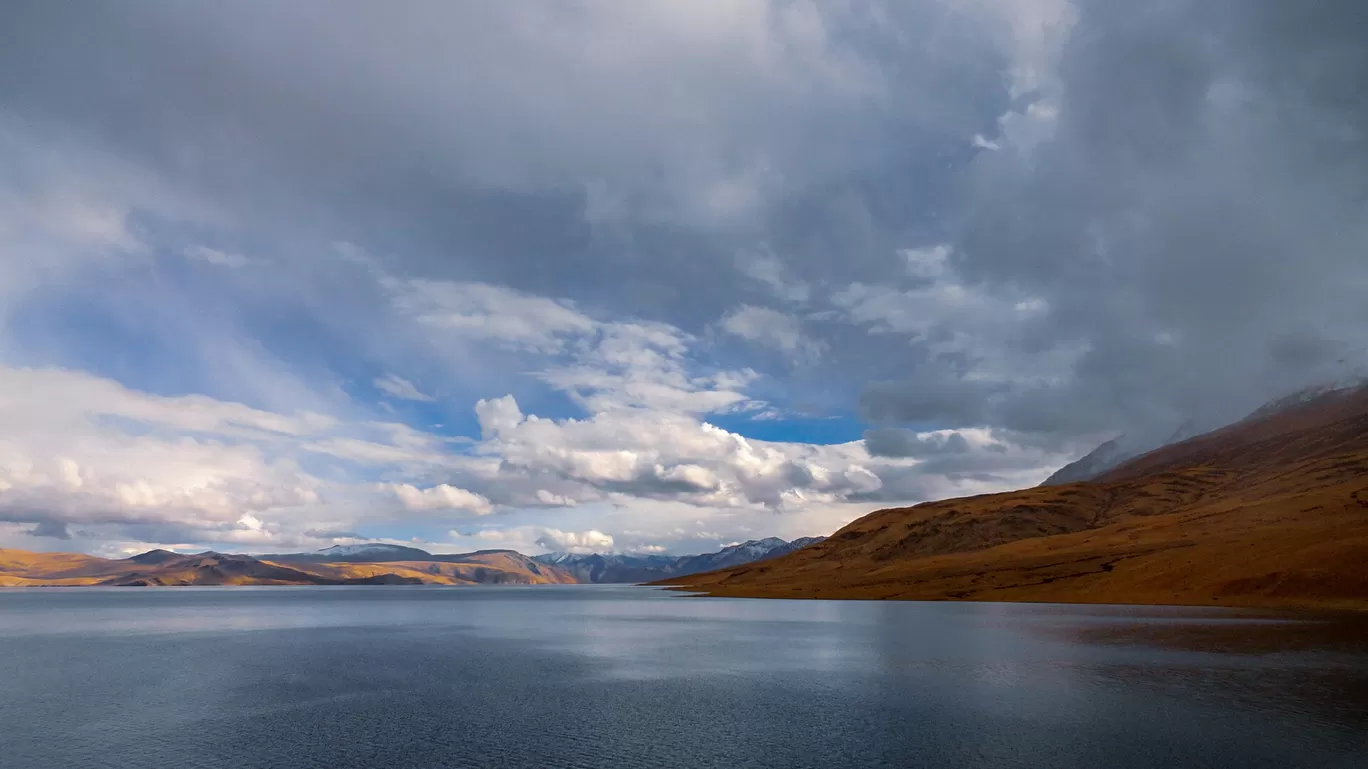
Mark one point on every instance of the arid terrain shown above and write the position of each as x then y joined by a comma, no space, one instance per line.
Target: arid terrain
371,563
1271,511
20,568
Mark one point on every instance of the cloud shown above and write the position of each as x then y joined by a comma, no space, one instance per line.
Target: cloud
481,311
77,448
767,269
770,328
646,365
1159,216
80,450
894,442
658,455
602,365
498,416
575,541
1027,224
54,529
215,257
440,497
395,385
945,311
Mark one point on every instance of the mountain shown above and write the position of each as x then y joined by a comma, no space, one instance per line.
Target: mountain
611,567
1114,452
371,551
370,563
1091,465
1269,511
1317,392
495,567
154,557
596,567
161,567
387,564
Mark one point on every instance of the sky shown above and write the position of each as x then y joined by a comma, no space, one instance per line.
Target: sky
650,276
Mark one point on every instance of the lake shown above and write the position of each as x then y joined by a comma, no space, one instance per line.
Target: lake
622,677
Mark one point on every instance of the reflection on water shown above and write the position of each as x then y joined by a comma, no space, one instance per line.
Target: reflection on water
587,676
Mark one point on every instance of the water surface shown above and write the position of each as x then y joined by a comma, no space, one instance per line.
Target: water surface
609,676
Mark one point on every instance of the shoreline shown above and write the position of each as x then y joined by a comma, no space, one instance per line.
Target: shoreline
1350,608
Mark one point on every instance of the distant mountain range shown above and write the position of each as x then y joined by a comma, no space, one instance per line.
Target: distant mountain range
1269,511
21,568
366,564
598,568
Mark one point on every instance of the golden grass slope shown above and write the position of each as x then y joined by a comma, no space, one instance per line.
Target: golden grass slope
21,567
1272,511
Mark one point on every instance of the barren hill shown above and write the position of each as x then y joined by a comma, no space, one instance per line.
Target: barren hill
20,568
1270,511
491,567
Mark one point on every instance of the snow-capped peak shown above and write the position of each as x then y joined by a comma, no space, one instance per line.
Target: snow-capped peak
367,548
1342,386
556,557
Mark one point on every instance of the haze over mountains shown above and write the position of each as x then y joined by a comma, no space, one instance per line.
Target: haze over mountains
1115,451
1269,511
367,564
595,567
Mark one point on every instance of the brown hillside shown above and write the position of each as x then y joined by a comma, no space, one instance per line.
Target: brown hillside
490,567
1271,511
20,568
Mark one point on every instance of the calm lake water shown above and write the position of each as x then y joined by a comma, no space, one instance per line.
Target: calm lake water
608,676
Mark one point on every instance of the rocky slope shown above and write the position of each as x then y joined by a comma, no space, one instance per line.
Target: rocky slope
1270,511
596,567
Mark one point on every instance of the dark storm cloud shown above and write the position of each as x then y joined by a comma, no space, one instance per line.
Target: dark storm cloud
332,534
611,152
939,476
1194,220
53,529
934,395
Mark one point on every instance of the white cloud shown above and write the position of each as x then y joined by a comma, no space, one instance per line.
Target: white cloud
979,142
440,497
928,262
652,454
79,448
555,500
215,257
37,397
766,268
399,387
591,541
772,329
645,365
482,311
943,311
601,365
498,416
